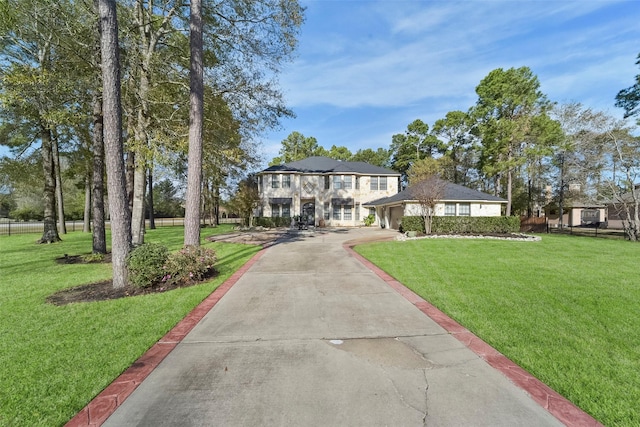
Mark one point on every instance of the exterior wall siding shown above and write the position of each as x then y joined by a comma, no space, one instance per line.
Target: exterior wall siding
476,209
311,188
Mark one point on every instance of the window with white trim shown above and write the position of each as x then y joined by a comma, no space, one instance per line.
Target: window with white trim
327,211
286,211
347,182
275,181
275,211
347,213
374,183
449,209
337,213
378,183
383,183
464,209
337,182
286,181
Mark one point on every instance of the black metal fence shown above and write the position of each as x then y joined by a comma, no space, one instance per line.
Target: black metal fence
11,227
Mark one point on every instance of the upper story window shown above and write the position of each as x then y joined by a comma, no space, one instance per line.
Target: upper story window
275,181
286,181
374,183
337,182
357,182
347,182
378,183
327,182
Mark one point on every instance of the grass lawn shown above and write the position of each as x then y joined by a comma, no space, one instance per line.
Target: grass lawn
566,309
56,359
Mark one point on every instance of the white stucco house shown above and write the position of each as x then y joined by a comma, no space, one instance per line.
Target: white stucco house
326,191
456,200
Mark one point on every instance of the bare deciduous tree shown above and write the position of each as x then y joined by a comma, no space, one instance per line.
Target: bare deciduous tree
427,188
623,186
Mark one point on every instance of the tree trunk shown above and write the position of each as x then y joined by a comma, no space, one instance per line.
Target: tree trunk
86,223
509,180
50,234
114,152
141,138
97,184
561,193
427,225
216,205
137,213
62,226
130,177
152,219
196,99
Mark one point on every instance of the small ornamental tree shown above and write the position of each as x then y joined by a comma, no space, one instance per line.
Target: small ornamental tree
624,189
246,199
427,193
427,188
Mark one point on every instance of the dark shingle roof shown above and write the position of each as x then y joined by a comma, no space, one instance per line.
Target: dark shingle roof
319,164
451,192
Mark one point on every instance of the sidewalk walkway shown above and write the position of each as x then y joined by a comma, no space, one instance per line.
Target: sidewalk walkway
309,334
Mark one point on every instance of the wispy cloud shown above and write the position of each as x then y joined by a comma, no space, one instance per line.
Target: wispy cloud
368,68
443,49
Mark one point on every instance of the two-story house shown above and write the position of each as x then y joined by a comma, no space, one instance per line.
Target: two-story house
325,190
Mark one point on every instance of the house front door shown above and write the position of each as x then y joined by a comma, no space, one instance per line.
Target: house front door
309,210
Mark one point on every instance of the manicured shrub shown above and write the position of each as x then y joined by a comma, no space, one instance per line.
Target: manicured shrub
271,222
145,264
189,265
464,224
369,220
412,223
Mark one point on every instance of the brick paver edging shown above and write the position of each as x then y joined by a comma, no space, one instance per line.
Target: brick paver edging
104,404
561,408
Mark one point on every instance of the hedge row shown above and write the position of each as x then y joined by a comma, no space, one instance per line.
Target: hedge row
270,222
464,224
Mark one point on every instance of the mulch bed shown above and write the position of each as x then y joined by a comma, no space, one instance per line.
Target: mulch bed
104,290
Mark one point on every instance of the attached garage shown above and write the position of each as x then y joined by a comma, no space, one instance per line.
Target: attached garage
455,200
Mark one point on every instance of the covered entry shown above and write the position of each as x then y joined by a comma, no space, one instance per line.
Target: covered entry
308,211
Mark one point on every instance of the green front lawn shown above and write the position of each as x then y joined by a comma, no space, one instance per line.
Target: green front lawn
566,309
56,359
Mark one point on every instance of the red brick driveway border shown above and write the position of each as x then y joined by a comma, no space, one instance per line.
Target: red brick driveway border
557,405
105,403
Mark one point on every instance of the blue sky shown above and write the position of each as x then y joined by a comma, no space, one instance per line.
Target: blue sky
365,69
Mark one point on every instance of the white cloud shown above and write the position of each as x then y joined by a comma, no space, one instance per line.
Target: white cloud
451,47
368,68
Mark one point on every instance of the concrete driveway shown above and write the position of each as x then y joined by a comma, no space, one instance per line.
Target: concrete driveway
309,336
